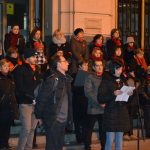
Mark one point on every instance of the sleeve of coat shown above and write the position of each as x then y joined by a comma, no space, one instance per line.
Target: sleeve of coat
6,42
88,90
75,52
105,92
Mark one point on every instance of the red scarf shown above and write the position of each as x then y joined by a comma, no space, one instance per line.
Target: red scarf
98,45
94,58
99,74
141,62
116,41
13,39
32,66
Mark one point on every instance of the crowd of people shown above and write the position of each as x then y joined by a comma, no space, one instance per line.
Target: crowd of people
78,83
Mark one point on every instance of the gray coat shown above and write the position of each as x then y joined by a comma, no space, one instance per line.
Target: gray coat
91,85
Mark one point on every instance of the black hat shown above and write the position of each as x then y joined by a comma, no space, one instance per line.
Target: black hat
29,52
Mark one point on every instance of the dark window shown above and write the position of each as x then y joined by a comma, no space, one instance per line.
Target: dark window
147,24
129,19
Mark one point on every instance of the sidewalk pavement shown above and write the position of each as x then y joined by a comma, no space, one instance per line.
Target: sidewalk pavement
70,142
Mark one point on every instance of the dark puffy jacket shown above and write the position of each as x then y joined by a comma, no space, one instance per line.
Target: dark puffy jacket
26,81
116,116
49,99
8,104
20,44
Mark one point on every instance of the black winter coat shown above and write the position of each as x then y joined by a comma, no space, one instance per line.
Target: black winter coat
20,43
116,117
49,99
26,81
110,48
8,104
53,48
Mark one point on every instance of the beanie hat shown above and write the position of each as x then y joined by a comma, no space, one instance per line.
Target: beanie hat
29,53
130,39
78,30
113,31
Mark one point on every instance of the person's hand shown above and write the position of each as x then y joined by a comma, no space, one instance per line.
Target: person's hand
130,93
103,105
118,92
40,121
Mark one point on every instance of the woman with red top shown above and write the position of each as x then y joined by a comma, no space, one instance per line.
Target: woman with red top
14,39
113,42
98,41
117,56
35,42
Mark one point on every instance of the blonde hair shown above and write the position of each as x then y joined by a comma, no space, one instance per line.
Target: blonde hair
96,49
58,31
139,51
3,62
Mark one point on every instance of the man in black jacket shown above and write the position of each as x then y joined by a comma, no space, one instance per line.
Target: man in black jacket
26,79
53,107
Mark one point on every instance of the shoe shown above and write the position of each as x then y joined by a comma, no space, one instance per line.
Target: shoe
133,137
126,137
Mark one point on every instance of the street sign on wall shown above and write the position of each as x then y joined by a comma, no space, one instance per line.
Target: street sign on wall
10,9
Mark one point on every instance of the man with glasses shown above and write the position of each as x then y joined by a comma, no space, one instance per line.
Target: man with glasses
53,107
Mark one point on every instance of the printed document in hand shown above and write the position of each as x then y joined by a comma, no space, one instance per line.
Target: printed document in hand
124,96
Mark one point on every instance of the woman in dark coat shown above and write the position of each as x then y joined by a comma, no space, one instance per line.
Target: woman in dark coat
113,42
98,41
116,118
14,39
8,104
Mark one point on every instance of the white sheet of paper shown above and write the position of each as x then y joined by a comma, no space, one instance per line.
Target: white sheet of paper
124,96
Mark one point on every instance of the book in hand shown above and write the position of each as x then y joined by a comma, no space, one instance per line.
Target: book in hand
124,96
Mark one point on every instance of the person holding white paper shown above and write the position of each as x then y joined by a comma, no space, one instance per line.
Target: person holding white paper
116,118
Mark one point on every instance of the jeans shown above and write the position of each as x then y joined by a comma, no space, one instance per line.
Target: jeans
114,136
55,136
29,122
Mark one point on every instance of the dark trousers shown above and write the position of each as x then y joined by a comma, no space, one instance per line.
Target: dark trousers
132,110
91,119
4,132
146,110
55,136
79,102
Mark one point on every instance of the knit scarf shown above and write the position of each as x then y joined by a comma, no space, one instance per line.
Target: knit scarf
98,45
141,61
59,42
94,58
99,74
116,41
13,39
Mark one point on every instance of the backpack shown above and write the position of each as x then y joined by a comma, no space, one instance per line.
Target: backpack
39,86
